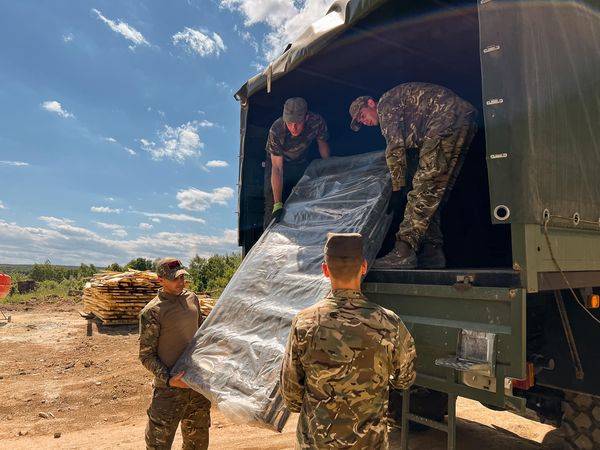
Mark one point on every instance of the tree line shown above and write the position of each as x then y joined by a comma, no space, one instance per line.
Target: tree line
208,275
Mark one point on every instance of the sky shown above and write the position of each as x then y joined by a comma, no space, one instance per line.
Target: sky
119,133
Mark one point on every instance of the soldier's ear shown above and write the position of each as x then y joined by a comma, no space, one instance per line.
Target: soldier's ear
371,103
363,268
325,269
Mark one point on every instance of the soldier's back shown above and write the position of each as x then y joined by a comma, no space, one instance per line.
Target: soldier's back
347,345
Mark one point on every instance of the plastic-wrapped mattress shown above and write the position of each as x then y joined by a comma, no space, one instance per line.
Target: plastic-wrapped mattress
235,357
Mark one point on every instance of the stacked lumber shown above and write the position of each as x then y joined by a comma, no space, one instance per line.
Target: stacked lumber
116,298
206,304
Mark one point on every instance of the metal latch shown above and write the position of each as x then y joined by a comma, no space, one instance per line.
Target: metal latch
464,282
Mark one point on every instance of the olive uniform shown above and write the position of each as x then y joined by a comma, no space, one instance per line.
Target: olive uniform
167,325
294,150
440,125
342,355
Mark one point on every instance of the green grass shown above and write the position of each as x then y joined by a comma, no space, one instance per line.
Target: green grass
45,289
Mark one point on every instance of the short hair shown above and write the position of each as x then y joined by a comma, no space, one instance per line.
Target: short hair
343,269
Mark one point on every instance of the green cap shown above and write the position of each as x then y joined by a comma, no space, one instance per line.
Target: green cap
344,245
294,110
355,107
170,268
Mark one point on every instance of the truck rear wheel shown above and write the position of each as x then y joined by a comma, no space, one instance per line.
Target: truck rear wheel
580,428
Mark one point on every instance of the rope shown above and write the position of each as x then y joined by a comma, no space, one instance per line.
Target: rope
563,274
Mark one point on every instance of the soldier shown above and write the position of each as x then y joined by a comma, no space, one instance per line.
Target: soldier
289,139
167,325
440,125
341,356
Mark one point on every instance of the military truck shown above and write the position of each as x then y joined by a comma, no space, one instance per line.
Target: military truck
513,322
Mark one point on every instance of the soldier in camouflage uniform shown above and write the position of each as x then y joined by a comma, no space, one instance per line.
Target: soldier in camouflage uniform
438,124
167,325
342,355
290,138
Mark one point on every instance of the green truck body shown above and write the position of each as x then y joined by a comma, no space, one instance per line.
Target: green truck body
522,228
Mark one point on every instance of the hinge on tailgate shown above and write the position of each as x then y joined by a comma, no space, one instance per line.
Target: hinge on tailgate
464,282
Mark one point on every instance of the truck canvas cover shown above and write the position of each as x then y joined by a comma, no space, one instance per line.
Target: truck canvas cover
531,67
236,355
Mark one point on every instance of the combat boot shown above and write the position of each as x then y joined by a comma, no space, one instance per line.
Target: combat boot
431,256
401,257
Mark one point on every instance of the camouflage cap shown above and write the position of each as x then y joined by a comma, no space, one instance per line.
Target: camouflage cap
355,107
294,110
344,245
169,268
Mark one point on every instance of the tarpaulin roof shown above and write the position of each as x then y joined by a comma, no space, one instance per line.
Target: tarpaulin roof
340,16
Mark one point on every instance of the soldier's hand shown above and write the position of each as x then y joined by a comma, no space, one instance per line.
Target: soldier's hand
397,201
177,382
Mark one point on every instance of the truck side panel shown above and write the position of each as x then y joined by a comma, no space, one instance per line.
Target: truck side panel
435,315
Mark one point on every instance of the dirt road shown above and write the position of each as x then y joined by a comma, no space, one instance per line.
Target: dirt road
94,393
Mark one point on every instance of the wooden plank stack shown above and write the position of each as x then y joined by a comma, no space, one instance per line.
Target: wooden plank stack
116,298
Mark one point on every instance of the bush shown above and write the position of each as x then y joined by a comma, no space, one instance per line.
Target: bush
114,267
47,271
140,264
212,274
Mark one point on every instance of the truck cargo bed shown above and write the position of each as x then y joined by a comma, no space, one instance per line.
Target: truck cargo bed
491,277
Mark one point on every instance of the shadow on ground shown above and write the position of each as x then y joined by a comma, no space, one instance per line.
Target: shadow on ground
474,436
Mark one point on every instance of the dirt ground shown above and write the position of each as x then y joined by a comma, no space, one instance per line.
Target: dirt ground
62,389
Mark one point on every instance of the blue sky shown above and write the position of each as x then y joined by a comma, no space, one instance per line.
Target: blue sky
118,128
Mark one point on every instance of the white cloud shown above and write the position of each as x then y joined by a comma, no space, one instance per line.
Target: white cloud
194,199
201,42
130,151
155,220
116,229
176,217
120,233
217,163
2,205
105,209
247,37
177,144
112,140
124,29
206,123
287,19
66,227
55,107
67,37
109,226
62,242
14,163
145,226
109,199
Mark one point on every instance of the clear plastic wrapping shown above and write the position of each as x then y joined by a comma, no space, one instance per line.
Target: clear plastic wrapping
235,357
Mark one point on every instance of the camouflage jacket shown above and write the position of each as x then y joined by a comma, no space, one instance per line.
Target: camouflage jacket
342,354
418,115
282,143
167,325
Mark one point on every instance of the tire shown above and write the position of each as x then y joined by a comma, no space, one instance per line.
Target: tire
580,428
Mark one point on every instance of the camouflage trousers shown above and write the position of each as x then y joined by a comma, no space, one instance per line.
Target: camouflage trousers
430,181
169,407
292,172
